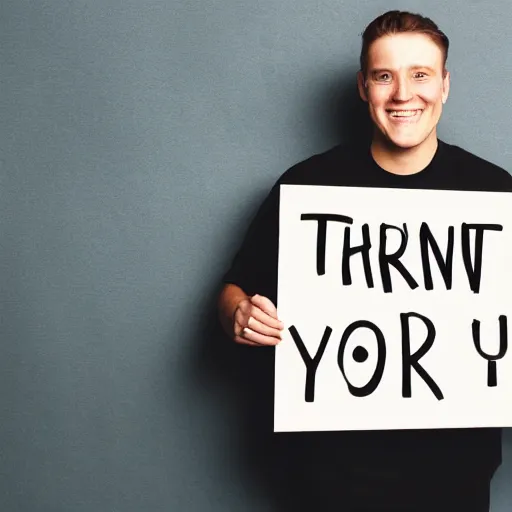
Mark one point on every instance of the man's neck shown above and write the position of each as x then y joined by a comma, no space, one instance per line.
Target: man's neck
404,161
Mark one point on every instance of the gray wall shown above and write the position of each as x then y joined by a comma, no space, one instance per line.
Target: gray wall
137,140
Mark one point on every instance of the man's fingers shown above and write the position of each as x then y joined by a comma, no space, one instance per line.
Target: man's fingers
261,328
265,305
256,322
266,319
250,335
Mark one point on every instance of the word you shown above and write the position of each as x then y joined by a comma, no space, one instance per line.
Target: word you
410,361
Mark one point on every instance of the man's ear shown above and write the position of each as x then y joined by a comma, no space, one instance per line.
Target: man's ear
446,86
361,85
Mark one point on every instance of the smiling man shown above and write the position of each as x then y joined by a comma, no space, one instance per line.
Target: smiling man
406,98
405,82
403,79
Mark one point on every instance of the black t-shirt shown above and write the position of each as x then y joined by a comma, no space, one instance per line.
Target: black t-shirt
254,269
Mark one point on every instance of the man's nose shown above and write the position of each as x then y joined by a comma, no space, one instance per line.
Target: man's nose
403,90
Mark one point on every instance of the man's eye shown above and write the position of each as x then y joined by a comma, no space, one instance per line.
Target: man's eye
420,74
384,77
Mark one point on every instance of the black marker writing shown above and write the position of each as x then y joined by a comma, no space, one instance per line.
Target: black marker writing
492,377
472,259
322,219
385,260
474,269
445,265
412,360
311,363
360,354
349,251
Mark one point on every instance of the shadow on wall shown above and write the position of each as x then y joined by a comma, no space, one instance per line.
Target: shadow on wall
342,114
243,376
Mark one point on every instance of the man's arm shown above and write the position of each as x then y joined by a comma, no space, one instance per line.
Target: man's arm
248,320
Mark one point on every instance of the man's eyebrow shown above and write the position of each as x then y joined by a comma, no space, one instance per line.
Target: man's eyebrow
418,66
379,70
414,67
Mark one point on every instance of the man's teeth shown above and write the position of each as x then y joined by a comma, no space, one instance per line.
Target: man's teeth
403,113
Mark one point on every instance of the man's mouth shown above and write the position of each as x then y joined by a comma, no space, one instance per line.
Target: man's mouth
404,113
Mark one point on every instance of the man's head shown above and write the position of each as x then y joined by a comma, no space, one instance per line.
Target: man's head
403,78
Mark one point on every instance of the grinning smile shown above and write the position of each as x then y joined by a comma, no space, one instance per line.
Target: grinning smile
404,115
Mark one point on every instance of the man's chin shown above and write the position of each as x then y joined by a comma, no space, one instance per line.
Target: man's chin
401,143
407,144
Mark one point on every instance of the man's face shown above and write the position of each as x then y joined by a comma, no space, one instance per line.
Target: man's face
405,88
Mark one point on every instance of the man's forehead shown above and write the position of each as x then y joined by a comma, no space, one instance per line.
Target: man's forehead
404,50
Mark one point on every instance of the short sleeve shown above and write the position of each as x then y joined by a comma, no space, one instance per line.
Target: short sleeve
254,267
507,182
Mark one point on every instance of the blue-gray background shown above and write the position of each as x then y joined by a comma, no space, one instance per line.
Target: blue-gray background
137,139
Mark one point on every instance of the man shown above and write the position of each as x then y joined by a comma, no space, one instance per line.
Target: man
404,80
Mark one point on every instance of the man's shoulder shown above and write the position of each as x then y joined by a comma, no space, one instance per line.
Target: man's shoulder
331,167
477,169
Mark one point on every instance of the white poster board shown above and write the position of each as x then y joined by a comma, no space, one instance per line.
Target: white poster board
395,304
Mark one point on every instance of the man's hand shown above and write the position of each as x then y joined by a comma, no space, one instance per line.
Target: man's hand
248,320
255,322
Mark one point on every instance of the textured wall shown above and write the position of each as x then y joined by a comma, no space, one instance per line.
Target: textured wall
137,138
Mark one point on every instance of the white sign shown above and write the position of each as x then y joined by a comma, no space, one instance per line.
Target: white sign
397,307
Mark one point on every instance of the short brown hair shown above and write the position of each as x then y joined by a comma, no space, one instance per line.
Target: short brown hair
397,22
